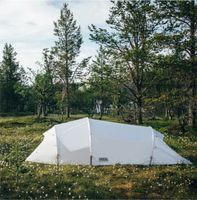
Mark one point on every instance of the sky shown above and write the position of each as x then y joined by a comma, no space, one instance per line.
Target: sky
28,25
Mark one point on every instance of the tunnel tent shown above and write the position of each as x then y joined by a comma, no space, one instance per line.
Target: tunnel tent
96,142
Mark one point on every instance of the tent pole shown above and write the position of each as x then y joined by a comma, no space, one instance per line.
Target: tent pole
91,160
153,146
151,158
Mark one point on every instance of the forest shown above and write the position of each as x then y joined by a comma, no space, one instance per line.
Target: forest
144,72
145,67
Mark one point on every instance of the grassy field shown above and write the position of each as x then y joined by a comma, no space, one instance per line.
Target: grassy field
20,180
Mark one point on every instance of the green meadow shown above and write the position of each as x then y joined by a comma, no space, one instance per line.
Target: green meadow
19,136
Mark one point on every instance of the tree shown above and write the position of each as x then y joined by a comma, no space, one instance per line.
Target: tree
67,49
43,93
179,20
130,41
100,79
44,85
10,77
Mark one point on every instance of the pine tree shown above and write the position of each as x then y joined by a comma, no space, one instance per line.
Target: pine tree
179,20
130,42
67,48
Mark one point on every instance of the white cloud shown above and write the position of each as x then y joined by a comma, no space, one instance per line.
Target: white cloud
28,25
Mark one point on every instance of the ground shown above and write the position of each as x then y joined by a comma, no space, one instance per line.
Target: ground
21,180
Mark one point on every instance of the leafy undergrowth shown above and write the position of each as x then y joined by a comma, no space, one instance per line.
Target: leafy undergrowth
21,180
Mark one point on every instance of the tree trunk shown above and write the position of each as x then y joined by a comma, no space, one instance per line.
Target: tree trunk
67,87
135,113
101,112
67,100
39,111
43,108
168,113
139,117
139,111
62,102
192,104
192,107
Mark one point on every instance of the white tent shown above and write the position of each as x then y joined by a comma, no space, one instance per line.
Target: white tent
88,141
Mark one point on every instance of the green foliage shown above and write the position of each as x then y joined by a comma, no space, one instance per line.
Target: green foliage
178,21
145,67
10,80
100,81
67,48
130,45
43,91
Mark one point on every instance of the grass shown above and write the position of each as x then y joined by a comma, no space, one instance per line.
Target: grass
20,180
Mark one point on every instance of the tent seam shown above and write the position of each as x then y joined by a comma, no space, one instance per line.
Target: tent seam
180,160
90,139
57,160
153,146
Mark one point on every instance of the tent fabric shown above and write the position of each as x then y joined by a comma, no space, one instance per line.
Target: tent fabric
96,142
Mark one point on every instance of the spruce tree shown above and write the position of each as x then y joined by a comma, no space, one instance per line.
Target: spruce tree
9,78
